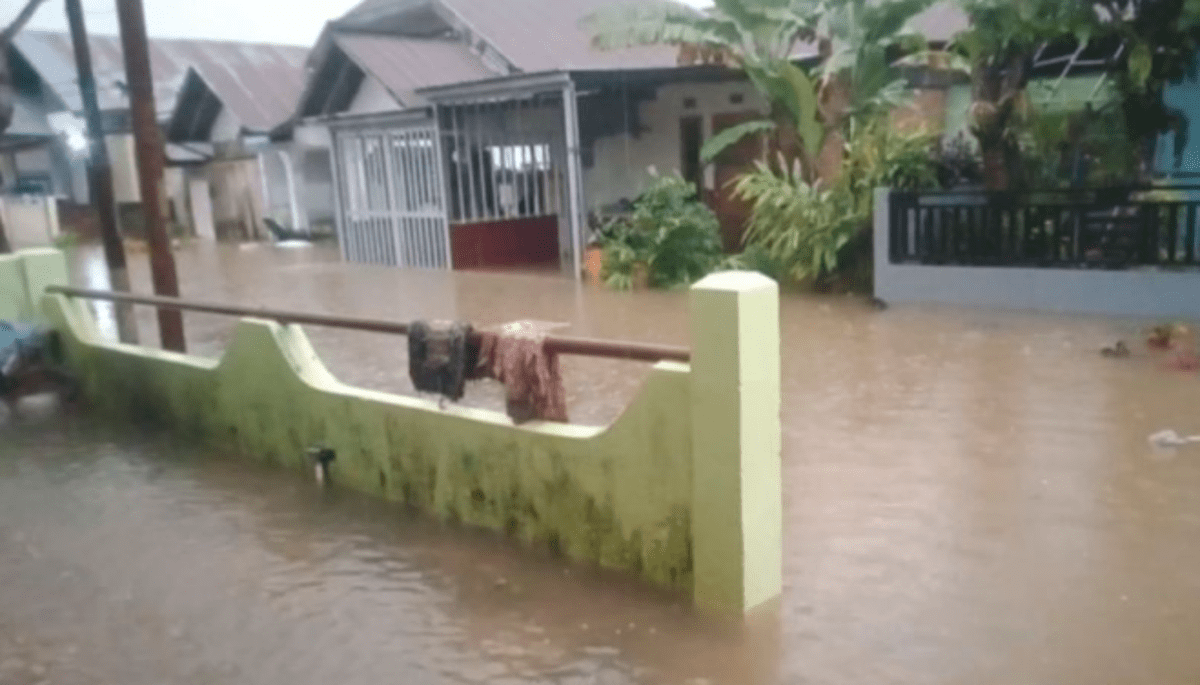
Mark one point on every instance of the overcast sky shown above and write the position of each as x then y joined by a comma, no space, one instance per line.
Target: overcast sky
294,22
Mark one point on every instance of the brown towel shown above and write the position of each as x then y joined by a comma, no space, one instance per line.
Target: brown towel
516,356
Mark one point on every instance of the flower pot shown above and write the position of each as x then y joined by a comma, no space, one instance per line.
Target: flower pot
594,263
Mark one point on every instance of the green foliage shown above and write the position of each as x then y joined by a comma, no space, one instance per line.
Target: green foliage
761,36
670,234
1088,148
806,228
755,258
729,137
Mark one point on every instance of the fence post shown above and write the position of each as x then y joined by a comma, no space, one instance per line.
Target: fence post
881,239
737,511
42,267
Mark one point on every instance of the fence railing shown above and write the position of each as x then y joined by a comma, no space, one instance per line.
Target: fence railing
611,349
1113,228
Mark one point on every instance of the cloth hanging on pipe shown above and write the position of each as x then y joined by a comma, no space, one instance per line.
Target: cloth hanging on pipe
441,356
516,355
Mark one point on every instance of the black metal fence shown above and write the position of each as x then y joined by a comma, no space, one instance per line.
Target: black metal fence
1114,228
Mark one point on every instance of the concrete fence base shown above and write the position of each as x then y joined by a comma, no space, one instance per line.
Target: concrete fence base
683,490
1137,293
24,276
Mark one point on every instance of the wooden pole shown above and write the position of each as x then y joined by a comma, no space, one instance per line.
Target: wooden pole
100,173
150,160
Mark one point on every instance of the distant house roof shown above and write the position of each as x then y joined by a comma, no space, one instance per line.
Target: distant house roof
404,65
537,35
260,92
228,66
533,35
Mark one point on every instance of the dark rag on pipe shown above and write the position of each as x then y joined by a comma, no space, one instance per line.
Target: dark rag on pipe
440,357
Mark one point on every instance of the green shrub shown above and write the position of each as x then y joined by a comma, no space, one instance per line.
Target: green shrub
806,229
669,233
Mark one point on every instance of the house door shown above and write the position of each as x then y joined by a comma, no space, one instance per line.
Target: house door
391,199
732,212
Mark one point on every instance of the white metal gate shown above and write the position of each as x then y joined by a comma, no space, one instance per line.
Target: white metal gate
391,196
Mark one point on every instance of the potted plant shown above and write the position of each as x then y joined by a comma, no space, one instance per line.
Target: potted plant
669,238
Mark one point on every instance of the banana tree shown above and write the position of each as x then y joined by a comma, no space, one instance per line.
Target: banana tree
998,47
7,91
809,110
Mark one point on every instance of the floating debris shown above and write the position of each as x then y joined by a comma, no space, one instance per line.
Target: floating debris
1118,351
1168,438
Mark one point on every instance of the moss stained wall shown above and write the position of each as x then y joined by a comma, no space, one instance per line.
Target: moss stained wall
619,496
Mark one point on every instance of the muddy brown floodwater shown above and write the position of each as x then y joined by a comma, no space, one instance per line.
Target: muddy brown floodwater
969,498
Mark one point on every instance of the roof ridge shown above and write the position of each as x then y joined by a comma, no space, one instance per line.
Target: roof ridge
171,39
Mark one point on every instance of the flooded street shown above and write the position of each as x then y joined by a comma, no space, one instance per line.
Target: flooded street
969,496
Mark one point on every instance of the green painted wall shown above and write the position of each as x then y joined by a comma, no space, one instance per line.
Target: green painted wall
14,301
619,496
624,497
24,276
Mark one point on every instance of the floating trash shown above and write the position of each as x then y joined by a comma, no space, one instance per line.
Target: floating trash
1169,438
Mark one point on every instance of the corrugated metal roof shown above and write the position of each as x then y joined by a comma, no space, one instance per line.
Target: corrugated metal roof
235,66
538,35
258,84
404,65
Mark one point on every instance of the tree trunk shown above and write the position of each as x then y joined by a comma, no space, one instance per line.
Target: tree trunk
5,247
833,103
995,167
995,88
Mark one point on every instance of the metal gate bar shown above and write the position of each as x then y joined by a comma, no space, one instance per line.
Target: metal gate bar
392,210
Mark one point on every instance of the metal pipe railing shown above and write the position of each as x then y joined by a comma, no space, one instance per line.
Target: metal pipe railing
590,347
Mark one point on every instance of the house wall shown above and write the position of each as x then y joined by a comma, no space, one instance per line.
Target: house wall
8,169
277,203
1185,97
314,168
123,157
226,128
312,163
237,200
372,98
30,220
175,188
621,163
46,162
925,112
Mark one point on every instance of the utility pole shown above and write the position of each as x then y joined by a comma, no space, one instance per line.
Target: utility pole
100,173
150,158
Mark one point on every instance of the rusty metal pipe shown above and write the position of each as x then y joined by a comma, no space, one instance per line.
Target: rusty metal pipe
589,347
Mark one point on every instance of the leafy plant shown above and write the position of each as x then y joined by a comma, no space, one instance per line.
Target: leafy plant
957,162
669,234
806,227
855,39
998,48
